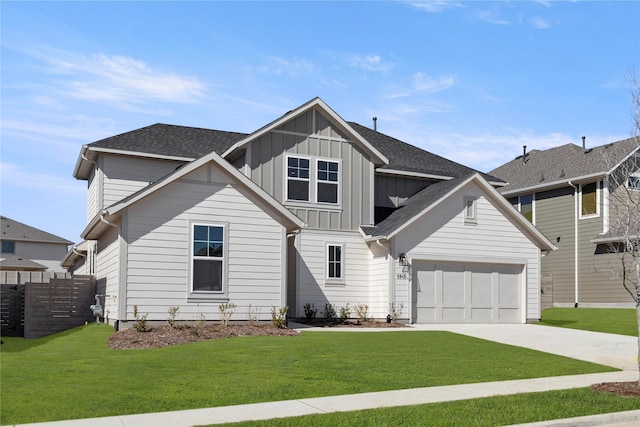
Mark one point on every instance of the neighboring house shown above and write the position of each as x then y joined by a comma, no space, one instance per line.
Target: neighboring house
569,193
26,248
307,209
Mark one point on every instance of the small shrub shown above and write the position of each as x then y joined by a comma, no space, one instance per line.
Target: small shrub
254,314
362,310
345,312
395,311
329,311
140,324
310,311
226,311
198,324
173,313
279,317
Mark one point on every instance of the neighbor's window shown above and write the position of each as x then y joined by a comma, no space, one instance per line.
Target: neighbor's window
633,182
589,199
327,182
298,178
8,247
208,258
526,206
335,262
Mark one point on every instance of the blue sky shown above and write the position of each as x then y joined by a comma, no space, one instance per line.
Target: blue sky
472,81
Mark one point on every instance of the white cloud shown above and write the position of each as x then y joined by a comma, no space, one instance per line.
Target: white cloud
435,6
491,17
429,84
15,177
280,66
539,23
370,63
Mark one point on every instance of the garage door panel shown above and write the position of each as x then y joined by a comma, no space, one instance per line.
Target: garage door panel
474,292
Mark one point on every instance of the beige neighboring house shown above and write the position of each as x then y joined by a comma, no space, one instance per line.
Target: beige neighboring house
26,248
570,193
308,209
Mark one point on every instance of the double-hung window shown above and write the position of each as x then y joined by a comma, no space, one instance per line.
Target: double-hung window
335,263
298,178
526,206
327,182
208,258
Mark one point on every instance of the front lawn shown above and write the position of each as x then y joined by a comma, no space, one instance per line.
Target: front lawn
489,411
75,374
622,321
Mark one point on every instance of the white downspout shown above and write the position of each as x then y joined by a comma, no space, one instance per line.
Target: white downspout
575,240
605,204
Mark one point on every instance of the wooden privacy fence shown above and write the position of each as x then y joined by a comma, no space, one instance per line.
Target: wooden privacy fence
48,308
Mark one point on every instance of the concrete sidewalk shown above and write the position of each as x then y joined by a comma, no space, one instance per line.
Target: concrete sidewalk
608,349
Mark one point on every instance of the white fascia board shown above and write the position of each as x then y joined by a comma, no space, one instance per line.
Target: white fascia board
314,103
553,184
613,239
368,238
386,171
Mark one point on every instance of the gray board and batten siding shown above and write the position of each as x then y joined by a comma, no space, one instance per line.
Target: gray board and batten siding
312,135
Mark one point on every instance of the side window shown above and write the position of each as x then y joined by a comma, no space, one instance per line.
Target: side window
208,258
8,247
298,178
327,181
526,206
633,182
589,205
335,262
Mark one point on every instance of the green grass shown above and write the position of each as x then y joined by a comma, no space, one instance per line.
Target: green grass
75,375
622,321
490,411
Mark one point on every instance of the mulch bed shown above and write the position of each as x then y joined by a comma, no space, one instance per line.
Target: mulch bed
164,336
628,388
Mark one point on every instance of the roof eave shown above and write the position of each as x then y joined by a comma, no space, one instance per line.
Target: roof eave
552,185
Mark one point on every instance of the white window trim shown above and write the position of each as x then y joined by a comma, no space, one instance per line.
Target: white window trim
635,175
533,207
334,280
214,296
313,183
473,217
317,181
287,178
594,215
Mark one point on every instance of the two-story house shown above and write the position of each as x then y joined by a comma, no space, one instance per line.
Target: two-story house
572,194
26,248
307,209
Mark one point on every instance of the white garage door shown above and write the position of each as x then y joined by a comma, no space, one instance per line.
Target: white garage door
457,292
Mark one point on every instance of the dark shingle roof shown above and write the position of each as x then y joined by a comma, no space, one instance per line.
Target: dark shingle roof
414,206
18,263
409,158
14,230
172,140
181,141
561,164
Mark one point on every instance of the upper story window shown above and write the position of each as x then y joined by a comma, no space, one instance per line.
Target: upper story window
8,247
526,206
589,196
298,178
208,258
313,180
327,181
633,182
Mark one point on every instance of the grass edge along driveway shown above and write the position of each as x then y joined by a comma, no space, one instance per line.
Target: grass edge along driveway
75,375
622,321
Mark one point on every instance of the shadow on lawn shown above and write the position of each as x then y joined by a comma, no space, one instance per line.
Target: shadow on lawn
19,344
